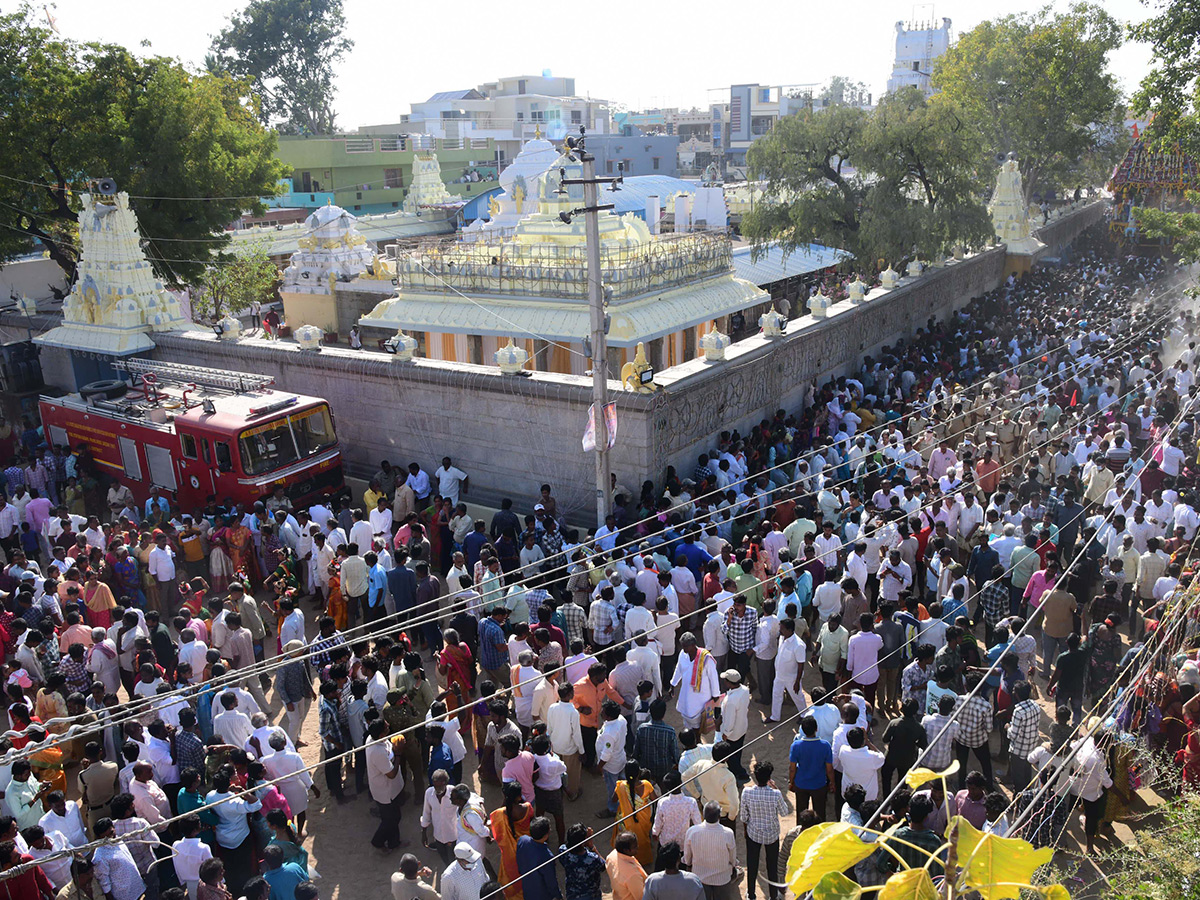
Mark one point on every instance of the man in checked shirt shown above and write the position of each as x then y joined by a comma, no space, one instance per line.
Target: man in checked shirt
974,728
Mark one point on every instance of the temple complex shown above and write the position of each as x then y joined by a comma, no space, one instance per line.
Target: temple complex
331,250
464,299
117,301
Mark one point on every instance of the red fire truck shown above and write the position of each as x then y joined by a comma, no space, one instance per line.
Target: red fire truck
195,431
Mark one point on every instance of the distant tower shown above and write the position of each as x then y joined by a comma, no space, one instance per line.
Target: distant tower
918,44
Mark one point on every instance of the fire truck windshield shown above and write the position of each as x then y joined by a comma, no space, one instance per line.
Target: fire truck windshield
286,440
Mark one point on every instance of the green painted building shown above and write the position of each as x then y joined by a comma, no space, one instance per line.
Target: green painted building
365,173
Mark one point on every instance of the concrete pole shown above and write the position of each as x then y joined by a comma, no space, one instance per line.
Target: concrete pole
599,341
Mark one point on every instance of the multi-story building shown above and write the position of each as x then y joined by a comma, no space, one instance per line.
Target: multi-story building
508,112
371,172
918,44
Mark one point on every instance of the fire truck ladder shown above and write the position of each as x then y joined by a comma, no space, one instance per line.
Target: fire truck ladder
201,376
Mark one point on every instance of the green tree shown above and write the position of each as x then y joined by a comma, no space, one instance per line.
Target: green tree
1170,91
286,50
233,282
78,111
1039,86
884,185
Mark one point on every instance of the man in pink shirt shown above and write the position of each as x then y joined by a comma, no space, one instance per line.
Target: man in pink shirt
1042,581
862,657
519,765
37,514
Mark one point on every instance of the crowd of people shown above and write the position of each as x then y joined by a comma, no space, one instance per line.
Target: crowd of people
961,551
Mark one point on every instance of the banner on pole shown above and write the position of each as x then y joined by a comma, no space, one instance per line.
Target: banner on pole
610,424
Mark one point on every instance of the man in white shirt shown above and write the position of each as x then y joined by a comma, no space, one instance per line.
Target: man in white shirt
361,532
566,738
735,719
161,565
291,626
860,763
381,519
65,818
766,645
694,692
385,783
451,480
439,817
789,663
232,725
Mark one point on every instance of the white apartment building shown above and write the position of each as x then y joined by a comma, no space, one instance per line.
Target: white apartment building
510,111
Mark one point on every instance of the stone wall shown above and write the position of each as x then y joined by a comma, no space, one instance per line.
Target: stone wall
512,433
1060,232
760,375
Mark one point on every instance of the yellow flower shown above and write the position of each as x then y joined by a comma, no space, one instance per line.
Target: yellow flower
917,777
996,867
824,848
911,884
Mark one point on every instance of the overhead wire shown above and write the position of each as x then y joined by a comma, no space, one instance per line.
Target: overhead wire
136,708
241,673
348,754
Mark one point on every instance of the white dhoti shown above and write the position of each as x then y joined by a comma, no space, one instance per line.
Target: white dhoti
786,684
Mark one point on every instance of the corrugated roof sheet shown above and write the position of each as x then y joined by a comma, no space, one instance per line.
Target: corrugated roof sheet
468,94
636,188
774,265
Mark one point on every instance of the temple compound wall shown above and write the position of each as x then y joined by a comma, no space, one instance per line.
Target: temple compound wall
513,432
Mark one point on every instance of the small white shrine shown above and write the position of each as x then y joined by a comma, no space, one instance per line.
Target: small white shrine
427,189
117,301
1010,217
331,250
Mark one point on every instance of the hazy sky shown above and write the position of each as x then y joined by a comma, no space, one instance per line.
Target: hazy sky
639,53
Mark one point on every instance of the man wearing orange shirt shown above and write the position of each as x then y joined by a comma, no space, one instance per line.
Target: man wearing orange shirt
590,692
987,473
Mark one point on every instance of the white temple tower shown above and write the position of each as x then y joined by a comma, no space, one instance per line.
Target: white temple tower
918,44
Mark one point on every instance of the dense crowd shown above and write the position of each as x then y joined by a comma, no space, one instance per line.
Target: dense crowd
896,572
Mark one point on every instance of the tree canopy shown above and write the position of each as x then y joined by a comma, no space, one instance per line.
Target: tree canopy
1039,86
1170,91
75,112
286,50
899,180
232,285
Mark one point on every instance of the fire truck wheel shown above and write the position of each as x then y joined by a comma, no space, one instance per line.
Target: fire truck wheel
109,389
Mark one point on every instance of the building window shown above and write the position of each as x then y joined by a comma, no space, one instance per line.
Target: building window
917,66
357,208
393,178
536,115
608,166
764,96
521,86
358,195
520,117
576,117
395,204
654,162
